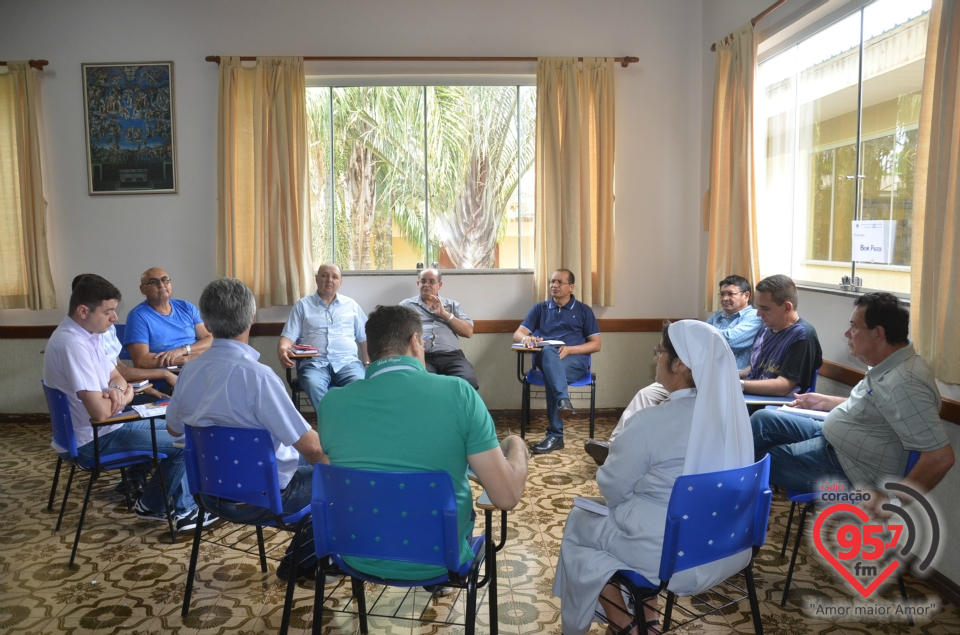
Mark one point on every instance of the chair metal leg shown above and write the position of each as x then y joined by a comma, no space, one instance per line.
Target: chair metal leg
470,619
754,603
491,565
263,553
53,488
786,536
357,586
292,581
318,596
524,410
66,495
163,486
83,515
192,571
593,404
796,548
667,611
903,593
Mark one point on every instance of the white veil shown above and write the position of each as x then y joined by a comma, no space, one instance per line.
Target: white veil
720,436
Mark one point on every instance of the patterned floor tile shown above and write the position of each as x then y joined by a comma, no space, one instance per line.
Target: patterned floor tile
129,578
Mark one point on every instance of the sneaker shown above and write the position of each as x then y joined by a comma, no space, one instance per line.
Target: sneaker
306,571
438,590
145,514
188,521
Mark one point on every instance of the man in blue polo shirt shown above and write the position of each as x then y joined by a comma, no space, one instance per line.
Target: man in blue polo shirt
561,318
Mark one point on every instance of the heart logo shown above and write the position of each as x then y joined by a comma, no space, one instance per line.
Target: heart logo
865,591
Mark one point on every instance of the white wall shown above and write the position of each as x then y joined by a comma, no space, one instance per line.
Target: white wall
119,237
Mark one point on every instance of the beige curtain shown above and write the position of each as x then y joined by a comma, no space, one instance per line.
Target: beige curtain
575,171
25,279
730,205
263,225
935,265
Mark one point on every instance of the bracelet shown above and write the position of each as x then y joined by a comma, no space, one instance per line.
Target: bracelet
116,386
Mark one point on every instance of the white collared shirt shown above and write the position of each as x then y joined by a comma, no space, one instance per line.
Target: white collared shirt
74,361
334,329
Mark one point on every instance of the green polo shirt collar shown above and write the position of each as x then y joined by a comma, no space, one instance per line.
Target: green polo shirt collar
894,359
389,364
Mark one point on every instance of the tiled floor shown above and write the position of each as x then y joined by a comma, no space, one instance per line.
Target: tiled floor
129,578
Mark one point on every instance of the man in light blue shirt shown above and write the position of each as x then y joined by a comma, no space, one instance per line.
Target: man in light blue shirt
228,386
739,324
334,325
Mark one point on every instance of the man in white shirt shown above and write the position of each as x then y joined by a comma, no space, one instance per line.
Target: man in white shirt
333,324
75,363
228,386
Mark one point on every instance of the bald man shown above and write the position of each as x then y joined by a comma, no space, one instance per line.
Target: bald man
334,325
161,331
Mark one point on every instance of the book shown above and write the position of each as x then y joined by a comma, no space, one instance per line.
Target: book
819,415
303,348
139,384
594,504
540,344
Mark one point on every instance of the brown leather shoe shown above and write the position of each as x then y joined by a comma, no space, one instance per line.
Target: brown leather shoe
598,450
565,409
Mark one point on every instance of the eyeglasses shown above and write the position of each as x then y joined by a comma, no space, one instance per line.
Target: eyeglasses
657,352
428,281
158,282
559,283
730,294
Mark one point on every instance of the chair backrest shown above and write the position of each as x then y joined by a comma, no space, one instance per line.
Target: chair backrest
813,381
402,516
911,461
238,464
124,353
714,515
60,419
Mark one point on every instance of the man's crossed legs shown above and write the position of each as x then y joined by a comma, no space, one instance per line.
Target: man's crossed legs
557,375
799,455
317,379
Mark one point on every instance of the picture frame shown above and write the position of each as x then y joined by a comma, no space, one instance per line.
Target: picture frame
130,128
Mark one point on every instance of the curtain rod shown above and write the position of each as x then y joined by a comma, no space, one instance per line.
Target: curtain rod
37,64
624,61
756,18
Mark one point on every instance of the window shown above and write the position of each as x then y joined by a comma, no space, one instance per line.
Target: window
401,175
837,124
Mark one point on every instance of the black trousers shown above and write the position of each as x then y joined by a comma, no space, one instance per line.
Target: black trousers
454,364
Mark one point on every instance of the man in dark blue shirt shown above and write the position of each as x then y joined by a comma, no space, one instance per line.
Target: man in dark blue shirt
561,319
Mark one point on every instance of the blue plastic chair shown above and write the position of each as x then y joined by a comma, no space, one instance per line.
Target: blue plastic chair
239,464
124,353
62,424
809,500
399,516
710,516
534,377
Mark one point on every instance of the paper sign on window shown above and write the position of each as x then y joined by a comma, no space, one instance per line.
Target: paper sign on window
873,240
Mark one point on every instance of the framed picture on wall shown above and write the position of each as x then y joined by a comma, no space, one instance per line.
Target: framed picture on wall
130,131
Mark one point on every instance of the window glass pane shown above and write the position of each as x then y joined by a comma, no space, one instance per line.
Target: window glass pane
473,152
318,133
528,183
808,120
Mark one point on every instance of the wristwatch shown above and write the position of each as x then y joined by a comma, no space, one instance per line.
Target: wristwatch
188,349
742,388
895,500
117,387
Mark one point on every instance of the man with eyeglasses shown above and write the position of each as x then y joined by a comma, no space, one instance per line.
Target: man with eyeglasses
739,324
444,323
162,332
563,319
333,324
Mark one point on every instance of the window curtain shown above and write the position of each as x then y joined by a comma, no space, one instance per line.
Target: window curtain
263,225
25,279
935,266
575,172
730,205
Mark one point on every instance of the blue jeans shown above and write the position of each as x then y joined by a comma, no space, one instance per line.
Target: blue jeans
557,375
295,497
799,455
317,379
135,435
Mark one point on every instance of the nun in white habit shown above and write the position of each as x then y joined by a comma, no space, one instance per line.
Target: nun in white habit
702,427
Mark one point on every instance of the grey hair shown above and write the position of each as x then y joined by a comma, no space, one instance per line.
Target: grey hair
227,307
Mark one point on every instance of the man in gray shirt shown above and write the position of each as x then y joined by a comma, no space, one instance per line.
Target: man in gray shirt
444,323
866,438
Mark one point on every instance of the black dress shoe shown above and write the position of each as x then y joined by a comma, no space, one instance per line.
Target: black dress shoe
598,450
547,445
565,409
